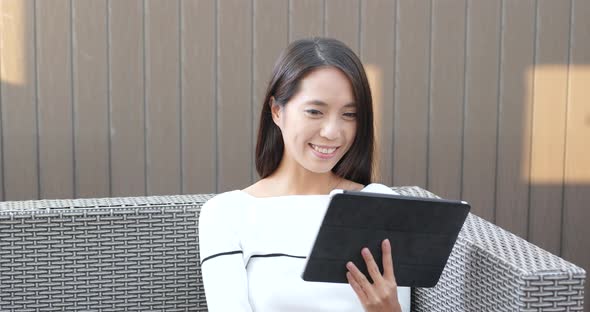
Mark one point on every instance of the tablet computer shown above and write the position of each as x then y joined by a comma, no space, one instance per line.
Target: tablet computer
422,232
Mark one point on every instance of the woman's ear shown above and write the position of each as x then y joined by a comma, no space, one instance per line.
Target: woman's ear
275,110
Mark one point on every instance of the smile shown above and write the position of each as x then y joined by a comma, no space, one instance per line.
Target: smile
326,150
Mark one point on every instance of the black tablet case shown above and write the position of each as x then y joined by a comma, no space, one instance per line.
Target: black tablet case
422,232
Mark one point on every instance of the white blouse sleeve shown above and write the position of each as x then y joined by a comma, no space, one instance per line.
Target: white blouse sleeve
222,262
403,293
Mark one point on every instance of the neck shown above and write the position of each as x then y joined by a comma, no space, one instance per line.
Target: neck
296,180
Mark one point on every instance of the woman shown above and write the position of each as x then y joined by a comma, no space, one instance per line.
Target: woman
315,136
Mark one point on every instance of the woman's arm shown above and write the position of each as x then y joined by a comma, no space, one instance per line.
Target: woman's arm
222,263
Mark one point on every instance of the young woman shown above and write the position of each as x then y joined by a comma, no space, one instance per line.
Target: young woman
315,136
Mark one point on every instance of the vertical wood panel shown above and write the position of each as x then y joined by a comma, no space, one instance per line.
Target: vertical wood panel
126,84
342,21
271,32
378,56
87,65
481,107
576,214
411,93
54,87
447,81
19,115
515,116
198,96
162,97
548,133
234,93
2,186
91,115
306,19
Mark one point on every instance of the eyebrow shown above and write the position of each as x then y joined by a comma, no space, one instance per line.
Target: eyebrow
322,103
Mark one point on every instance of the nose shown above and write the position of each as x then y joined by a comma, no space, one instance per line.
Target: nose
330,129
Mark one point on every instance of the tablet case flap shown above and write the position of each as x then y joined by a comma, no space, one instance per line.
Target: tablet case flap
422,233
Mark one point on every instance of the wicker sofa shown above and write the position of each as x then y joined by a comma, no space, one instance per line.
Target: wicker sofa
142,253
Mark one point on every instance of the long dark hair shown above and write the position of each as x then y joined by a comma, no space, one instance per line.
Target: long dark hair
299,59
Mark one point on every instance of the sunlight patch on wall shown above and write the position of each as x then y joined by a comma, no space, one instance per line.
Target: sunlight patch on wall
558,105
577,170
12,42
375,77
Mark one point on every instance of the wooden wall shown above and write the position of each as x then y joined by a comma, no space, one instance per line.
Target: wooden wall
476,99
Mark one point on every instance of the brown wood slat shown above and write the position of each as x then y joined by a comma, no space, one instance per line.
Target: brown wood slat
378,56
234,94
18,84
481,107
127,98
54,87
2,35
447,81
575,231
1,124
548,133
162,97
271,33
306,19
91,111
512,189
411,93
198,96
342,21
106,58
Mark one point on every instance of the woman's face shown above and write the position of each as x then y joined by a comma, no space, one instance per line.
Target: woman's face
319,123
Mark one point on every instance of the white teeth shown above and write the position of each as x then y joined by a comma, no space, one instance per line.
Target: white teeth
323,150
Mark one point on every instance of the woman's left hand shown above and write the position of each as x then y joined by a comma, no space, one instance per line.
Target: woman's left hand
381,295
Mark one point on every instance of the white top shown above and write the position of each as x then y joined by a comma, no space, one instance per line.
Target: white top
253,253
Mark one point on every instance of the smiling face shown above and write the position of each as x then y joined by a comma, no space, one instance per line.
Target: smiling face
318,124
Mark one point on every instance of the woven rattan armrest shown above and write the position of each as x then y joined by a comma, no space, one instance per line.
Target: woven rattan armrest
491,269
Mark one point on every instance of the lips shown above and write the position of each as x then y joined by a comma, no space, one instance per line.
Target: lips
324,149
324,152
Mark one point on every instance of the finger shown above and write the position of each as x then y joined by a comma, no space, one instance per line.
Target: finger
372,266
356,287
387,261
361,279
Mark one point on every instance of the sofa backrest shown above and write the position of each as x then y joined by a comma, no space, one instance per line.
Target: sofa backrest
109,254
142,253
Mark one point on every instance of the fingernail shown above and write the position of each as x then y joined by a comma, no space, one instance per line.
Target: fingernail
365,251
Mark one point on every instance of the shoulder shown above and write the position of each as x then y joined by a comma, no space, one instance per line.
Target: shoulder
222,212
255,189
371,188
378,188
351,185
224,202
225,197
262,188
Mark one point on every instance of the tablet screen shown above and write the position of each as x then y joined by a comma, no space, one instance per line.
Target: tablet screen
422,232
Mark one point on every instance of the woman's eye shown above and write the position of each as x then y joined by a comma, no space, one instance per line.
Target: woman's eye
350,115
313,112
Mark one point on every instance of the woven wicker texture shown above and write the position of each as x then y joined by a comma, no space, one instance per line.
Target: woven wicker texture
118,254
141,253
491,269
